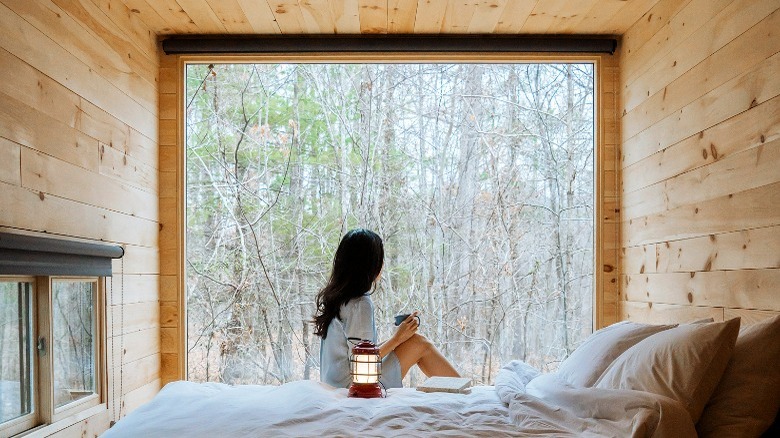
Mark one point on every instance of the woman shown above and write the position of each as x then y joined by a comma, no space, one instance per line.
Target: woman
345,310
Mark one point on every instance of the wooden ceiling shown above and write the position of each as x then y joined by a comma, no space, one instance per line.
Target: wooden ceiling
607,17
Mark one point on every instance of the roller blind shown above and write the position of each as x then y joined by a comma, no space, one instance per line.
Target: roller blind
33,255
418,43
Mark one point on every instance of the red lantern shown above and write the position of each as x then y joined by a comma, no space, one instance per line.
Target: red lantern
366,368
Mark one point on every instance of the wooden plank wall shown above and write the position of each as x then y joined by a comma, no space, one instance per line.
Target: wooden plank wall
700,193
78,158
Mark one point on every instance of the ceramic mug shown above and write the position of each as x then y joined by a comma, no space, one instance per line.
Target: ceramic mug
400,318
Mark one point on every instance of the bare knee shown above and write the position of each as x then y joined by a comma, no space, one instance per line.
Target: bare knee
422,343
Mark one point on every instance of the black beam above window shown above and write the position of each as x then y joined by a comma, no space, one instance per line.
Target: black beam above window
419,43
33,255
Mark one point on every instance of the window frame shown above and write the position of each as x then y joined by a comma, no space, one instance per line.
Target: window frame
44,412
173,162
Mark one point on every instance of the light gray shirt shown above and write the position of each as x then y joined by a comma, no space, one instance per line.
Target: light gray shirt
356,320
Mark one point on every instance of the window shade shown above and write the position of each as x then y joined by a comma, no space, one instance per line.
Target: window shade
33,255
418,43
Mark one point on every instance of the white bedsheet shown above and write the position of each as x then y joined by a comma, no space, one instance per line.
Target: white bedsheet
308,408
523,403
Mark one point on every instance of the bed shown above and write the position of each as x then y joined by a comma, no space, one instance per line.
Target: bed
627,380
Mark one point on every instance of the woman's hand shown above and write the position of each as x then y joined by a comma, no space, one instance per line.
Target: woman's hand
407,328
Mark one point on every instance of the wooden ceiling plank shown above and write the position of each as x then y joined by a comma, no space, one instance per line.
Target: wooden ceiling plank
231,14
373,16
457,16
544,15
259,15
401,16
627,16
515,15
146,13
599,15
486,16
317,16
203,16
430,16
382,16
346,16
173,15
288,16
568,21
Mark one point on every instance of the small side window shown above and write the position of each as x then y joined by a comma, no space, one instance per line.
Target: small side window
51,353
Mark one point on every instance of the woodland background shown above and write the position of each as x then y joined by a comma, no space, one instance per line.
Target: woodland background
479,178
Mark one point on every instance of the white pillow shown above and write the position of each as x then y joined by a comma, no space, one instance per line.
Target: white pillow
748,396
684,363
586,364
702,321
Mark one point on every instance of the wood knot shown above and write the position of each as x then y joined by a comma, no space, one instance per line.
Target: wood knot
609,268
753,103
762,138
714,151
690,297
704,153
642,269
41,195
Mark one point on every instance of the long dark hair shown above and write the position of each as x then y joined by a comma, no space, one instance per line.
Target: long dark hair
357,263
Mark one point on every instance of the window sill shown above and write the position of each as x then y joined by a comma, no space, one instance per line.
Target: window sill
50,429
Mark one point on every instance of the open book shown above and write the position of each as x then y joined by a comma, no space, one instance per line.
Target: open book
459,385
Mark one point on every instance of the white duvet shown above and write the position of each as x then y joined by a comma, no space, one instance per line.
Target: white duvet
522,403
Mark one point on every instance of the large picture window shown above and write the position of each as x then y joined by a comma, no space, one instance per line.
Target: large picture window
479,178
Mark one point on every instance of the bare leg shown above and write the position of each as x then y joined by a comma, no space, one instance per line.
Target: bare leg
419,351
